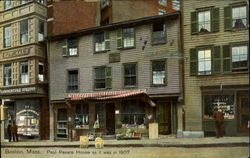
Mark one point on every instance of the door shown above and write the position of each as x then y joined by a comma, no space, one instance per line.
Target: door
164,117
110,118
244,112
10,116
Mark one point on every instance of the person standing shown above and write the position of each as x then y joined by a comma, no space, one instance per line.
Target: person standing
14,132
9,131
218,120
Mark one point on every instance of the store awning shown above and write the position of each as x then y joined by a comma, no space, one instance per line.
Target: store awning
98,96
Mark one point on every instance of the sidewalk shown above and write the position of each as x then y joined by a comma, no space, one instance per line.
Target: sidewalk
161,142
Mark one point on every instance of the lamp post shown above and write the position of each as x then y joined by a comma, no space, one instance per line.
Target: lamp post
3,116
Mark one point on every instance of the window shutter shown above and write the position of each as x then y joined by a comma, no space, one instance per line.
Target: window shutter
107,40
228,18
216,60
193,62
194,22
226,59
119,38
215,20
65,48
108,80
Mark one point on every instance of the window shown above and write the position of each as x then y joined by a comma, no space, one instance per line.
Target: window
41,30
7,75
103,77
204,21
125,38
41,71
24,78
7,36
159,33
161,12
81,119
40,1
239,17
204,61
102,41
158,72
73,80
176,4
163,2
132,113
239,58
129,74
7,4
24,31
70,47
24,1
225,103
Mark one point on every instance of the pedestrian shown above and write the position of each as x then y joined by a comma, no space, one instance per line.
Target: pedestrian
9,131
14,132
218,120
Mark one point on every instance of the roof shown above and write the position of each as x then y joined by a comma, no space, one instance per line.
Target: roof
97,96
113,26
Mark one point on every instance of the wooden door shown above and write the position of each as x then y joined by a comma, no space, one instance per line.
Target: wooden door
164,117
244,113
110,118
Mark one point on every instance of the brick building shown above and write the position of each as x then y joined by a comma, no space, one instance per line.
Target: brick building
216,39
124,75
23,64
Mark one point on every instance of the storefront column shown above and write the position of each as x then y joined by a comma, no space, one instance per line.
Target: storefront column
179,120
52,123
70,120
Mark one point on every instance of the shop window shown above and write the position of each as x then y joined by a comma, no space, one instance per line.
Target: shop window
204,61
130,74
224,103
100,113
24,77
41,71
159,33
161,12
7,4
158,72
163,2
7,36
81,119
70,47
41,30
132,113
103,77
125,38
24,31
176,4
102,41
7,74
73,80
235,17
205,20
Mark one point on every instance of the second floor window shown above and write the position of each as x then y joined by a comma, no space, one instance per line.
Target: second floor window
41,71
7,75
70,47
41,30
204,61
24,31
125,38
24,77
159,33
103,77
130,74
73,80
239,58
102,41
158,72
7,36
7,4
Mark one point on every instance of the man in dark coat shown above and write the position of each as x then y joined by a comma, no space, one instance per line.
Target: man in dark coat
9,131
14,132
218,120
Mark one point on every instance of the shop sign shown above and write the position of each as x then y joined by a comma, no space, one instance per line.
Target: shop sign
22,90
16,53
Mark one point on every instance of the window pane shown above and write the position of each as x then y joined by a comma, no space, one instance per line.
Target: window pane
24,78
24,31
239,57
204,21
128,37
130,74
41,31
99,42
204,61
100,77
158,68
7,74
239,17
7,36
73,80
41,71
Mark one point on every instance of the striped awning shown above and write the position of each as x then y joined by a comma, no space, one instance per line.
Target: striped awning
98,96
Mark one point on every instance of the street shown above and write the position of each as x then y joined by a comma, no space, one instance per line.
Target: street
127,152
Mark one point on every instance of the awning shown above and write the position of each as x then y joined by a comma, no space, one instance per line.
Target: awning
98,96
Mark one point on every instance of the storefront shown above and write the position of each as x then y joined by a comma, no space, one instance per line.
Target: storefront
28,108
234,104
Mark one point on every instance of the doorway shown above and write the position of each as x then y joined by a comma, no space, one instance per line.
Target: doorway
110,118
164,117
244,112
